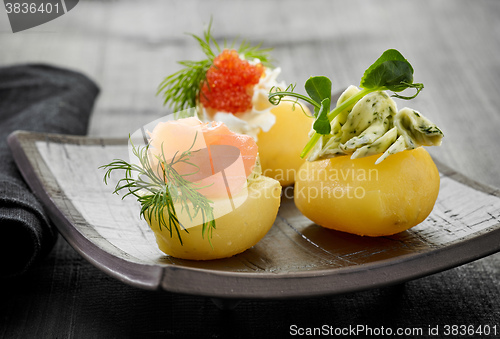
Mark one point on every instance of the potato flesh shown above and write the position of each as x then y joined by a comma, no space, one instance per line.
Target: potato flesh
359,197
280,147
235,232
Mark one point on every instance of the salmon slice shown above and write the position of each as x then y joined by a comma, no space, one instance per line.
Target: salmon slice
220,159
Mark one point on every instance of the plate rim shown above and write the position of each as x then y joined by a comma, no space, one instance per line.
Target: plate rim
264,285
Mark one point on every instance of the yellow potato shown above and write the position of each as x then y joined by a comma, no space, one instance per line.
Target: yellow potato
236,230
280,147
359,197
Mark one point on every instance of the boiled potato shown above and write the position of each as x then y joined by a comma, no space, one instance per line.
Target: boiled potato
359,197
280,147
236,229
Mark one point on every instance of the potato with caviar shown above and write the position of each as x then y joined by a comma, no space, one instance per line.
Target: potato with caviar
357,196
232,85
236,230
280,147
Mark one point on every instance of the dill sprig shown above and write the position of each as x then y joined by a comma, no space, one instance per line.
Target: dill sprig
181,90
159,194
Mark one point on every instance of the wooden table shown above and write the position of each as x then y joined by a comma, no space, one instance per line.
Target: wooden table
128,47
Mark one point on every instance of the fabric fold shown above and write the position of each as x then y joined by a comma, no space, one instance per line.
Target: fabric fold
39,98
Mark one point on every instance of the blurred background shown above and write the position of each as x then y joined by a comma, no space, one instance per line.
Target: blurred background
128,47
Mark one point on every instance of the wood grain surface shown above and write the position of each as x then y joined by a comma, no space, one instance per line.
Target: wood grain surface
128,47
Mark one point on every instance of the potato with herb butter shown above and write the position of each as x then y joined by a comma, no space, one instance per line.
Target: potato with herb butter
376,179
367,172
364,198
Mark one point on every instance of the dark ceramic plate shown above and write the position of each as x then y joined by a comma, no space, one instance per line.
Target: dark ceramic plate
295,259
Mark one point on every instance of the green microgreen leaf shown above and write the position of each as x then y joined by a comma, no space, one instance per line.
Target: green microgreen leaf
318,88
391,74
391,71
322,124
381,71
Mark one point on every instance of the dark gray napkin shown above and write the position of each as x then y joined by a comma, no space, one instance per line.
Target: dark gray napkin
37,98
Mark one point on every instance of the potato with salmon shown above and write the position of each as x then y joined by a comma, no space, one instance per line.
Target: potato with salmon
200,185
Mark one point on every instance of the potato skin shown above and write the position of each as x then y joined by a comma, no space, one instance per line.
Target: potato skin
235,231
280,147
357,196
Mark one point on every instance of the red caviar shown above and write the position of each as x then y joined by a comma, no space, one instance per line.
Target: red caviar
229,83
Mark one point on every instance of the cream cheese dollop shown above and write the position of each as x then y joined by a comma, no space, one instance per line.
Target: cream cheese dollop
374,126
255,120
